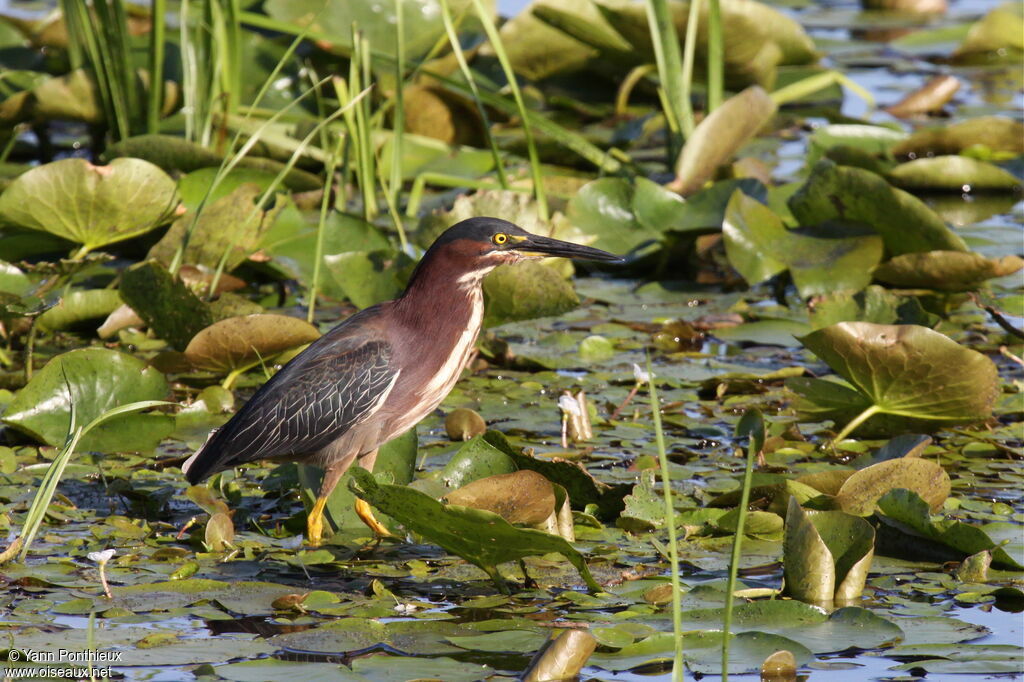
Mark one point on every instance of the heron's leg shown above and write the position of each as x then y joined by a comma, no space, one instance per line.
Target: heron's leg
315,518
363,509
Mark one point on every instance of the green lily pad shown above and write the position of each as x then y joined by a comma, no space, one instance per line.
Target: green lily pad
474,460
872,140
719,136
847,194
370,277
91,205
624,215
874,304
995,133
240,342
13,280
908,512
906,371
96,380
702,651
480,537
645,508
962,659
165,303
526,291
953,174
1000,33
822,260
945,270
827,554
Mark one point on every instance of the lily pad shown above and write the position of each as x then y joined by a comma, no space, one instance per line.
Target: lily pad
908,371
864,488
847,194
526,291
953,174
370,277
96,380
78,306
230,228
474,460
945,270
91,205
827,554
240,342
874,304
480,537
908,512
822,260
623,215
719,136
995,133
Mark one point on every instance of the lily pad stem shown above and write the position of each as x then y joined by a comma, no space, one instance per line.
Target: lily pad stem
737,545
857,421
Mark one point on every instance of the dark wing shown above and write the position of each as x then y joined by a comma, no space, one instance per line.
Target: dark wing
312,401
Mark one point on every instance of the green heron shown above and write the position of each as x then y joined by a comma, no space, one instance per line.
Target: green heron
378,373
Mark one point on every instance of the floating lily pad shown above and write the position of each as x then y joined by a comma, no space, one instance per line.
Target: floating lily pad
230,228
79,306
91,205
995,133
874,304
847,194
945,270
827,554
369,277
644,507
240,342
480,537
96,380
903,370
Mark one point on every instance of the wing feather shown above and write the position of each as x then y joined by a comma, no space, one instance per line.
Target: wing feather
332,385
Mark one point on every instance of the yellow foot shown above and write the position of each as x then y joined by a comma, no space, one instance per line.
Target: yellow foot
365,513
315,522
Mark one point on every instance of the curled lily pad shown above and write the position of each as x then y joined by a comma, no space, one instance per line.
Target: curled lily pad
96,380
463,423
563,657
240,342
945,270
474,460
907,371
1000,32
827,554
91,205
719,136
954,174
842,193
78,306
480,537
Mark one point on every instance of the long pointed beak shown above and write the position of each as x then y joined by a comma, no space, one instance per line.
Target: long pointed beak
536,245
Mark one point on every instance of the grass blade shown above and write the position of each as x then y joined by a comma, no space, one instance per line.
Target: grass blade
716,56
157,37
670,522
510,76
670,71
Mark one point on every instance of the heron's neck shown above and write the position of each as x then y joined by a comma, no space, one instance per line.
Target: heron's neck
438,299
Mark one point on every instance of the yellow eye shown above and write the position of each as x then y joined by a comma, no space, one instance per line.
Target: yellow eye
500,238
